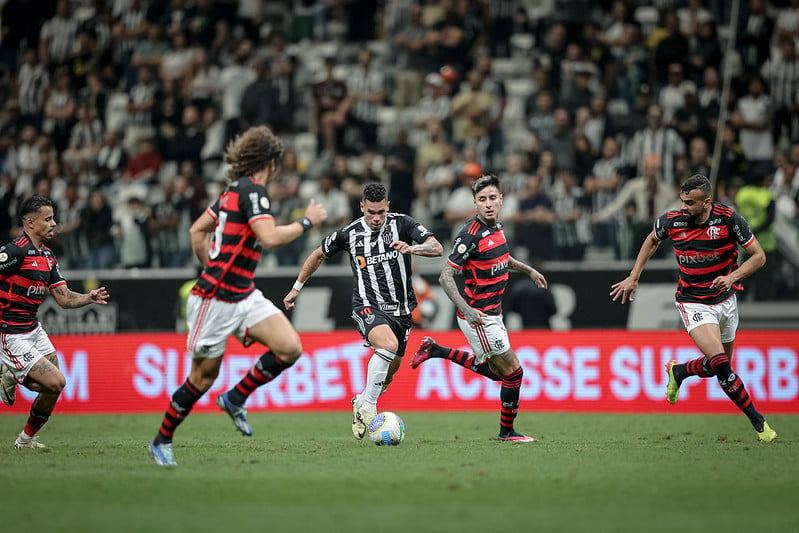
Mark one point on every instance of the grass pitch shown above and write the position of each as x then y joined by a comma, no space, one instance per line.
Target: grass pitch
304,472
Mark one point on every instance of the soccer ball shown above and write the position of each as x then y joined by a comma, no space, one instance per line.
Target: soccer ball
387,429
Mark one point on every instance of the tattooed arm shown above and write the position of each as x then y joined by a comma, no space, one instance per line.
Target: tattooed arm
71,300
447,282
429,248
534,274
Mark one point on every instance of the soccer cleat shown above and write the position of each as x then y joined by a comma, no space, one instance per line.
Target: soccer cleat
162,453
8,386
423,353
24,441
767,435
361,417
237,414
515,436
672,387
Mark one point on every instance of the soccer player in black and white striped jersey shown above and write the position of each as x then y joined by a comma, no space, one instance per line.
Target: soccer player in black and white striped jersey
705,236
482,255
379,245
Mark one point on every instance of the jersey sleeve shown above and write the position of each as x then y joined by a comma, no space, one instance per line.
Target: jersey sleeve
56,278
11,257
661,227
416,231
255,205
334,243
462,249
740,228
213,209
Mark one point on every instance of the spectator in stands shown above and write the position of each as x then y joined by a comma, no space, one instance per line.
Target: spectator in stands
96,226
144,165
33,81
471,113
534,219
140,108
111,160
212,150
188,143
170,222
283,65
148,52
732,161
433,106
434,185
757,205
755,28
327,95
84,141
787,25
94,96
570,229
69,207
673,48
202,86
705,51
260,100
672,95
412,58
656,138
692,17
234,79
135,246
59,110
616,32
598,53
514,177
365,94
690,121
649,195
601,187
541,119
782,73
84,59
176,63
752,119
399,163
57,36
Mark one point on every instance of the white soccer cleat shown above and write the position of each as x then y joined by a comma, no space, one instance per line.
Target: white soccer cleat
24,441
361,416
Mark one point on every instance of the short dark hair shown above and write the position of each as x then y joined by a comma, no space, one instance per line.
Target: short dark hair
33,204
486,181
697,181
374,192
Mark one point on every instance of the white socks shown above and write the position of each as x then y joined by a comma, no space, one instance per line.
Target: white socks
376,375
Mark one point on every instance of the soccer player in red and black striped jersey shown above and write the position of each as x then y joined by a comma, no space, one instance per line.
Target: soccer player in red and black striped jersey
28,271
705,236
482,255
227,240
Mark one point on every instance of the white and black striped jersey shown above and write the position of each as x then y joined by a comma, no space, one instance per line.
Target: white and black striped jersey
381,275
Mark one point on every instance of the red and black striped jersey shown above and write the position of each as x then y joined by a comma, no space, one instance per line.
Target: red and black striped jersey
706,251
26,276
235,250
481,253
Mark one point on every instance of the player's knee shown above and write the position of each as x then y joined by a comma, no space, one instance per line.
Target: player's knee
55,385
289,353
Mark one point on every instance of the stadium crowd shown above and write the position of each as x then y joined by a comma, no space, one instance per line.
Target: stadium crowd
591,113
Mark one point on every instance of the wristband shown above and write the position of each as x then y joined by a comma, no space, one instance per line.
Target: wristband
306,224
298,285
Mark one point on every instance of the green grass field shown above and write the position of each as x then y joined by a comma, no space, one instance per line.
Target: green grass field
305,472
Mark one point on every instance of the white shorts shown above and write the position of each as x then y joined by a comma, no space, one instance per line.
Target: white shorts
487,340
211,321
724,314
20,351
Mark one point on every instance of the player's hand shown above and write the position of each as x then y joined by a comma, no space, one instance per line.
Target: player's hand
99,296
474,317
402,247
624,289
288,301
538,278
316,213
722,283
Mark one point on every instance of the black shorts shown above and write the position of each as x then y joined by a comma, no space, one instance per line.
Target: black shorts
367,318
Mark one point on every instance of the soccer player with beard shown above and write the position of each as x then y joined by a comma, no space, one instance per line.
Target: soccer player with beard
705,236
379,244
481,253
